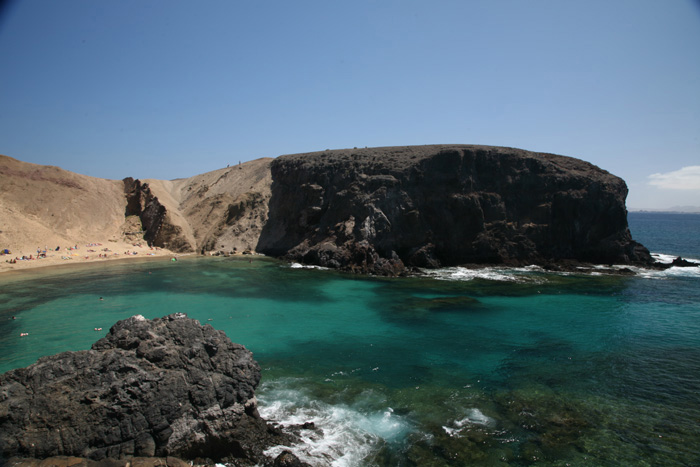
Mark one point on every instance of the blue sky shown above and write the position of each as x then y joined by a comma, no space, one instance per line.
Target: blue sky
168,89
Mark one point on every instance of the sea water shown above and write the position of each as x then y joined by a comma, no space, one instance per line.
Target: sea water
453,367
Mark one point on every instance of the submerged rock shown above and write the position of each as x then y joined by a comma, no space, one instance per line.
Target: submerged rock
162,387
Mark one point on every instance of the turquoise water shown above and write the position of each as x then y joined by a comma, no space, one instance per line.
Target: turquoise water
459,367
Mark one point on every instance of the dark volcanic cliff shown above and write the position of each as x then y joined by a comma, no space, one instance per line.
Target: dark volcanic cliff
379,210
163,387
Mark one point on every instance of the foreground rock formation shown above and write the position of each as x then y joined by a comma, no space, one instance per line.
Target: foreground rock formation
379,210
162,387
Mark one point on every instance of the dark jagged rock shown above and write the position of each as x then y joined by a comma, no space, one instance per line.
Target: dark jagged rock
67,461
380,210
158,230
162,387
288,459
683,263
285,459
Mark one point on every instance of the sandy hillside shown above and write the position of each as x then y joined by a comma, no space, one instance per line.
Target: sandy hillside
46,207
219,210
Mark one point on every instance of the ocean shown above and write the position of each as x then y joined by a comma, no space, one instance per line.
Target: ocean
496,366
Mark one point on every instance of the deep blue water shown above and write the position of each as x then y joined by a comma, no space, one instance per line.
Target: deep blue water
459,367
676,234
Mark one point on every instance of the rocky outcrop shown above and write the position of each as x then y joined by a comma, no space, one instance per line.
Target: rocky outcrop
158,228
380,210
162,387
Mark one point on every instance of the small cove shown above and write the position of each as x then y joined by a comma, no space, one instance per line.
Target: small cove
506,367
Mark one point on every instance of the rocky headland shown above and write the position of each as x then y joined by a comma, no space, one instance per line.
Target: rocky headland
166,387
372,210
381,210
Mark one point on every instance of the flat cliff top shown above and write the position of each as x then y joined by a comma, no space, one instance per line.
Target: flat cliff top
399,158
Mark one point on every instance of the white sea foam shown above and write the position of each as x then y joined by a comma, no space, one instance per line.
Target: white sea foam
342,435
671,272
525,274
473,418
663,258
667,259
489,273
305,266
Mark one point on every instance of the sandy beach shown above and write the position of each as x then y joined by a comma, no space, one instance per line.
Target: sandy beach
77,253
51,217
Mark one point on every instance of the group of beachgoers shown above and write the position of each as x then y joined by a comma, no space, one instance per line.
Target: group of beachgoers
42,253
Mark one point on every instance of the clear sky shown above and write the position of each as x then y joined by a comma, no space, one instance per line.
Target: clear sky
169,89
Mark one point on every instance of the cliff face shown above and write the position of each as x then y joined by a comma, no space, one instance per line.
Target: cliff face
164,387
379,210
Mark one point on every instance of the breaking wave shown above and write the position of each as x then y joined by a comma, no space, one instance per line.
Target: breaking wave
337,435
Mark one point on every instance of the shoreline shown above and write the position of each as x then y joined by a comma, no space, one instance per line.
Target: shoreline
54,262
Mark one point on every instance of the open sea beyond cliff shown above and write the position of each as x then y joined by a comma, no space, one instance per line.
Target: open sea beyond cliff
458,367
